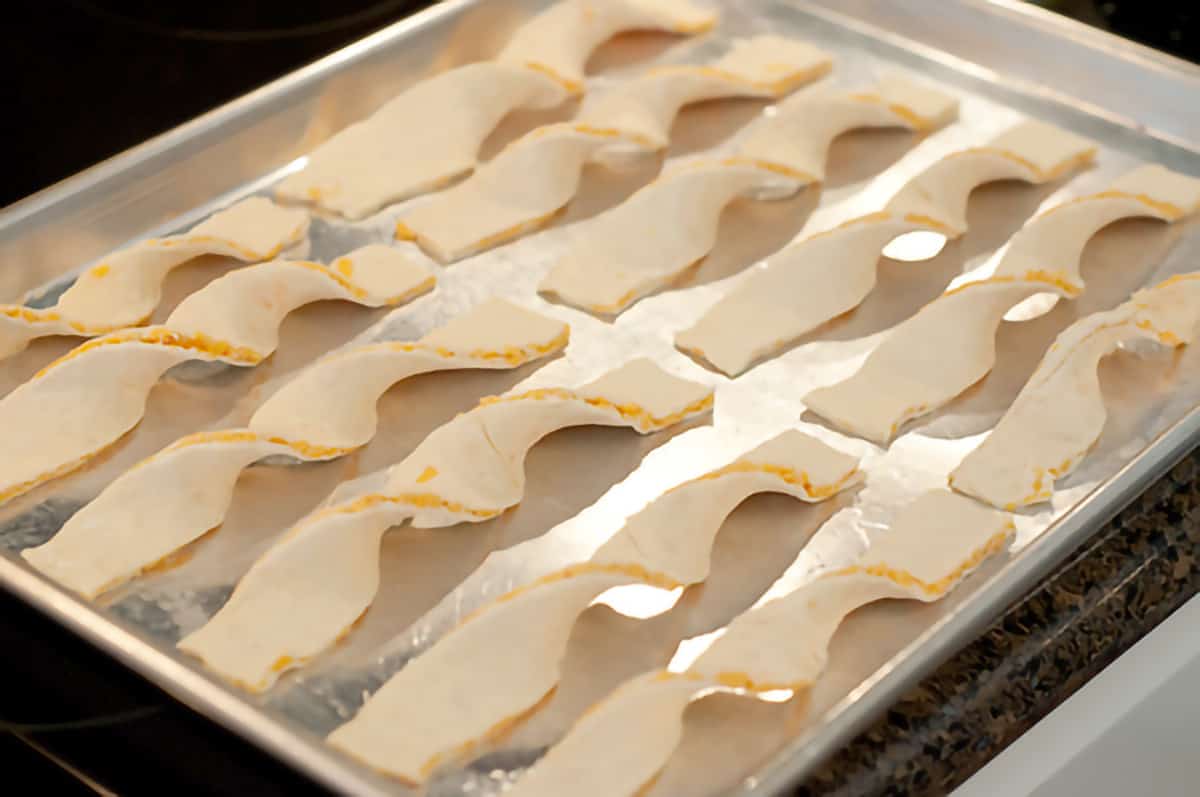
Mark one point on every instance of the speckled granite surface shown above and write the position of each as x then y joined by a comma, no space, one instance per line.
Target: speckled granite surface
1136,571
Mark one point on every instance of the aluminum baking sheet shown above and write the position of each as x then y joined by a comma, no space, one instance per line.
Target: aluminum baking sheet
583,482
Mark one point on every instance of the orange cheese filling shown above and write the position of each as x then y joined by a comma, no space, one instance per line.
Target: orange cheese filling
404,232
1054,279
904,578
21,488
770,166
869,218
930,222
613,132
515,231
692,28
343,268
918,122
493,734
1175,280
662,676
514,355
572,86
1037,172
1166,336
415,500
790,77
282,663
161,336
214,243
744,681
29,315
305,449
642,418
424,286
1161,208
786,474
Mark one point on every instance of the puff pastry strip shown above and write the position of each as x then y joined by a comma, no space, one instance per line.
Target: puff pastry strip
560,40
308,589
654,236
933,544
84,401
926,361
1060,412
387,157
328,410
537,175
123,289
818,279
446,703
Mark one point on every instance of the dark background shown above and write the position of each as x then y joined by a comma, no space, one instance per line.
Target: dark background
89,78
84,80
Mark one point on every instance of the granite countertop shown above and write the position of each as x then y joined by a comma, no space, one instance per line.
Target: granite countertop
79,717
1139,568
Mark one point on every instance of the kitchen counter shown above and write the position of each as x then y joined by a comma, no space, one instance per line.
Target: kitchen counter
1133,574
73,717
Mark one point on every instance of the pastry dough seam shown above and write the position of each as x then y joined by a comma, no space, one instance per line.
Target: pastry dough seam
642,418
904,578
221,245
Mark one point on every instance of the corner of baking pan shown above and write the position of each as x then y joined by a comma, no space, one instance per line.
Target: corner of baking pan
853,714
857,17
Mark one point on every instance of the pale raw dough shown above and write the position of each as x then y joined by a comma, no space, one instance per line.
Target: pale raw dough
389,157
797,139
644,109
1060,412
538,174
818,279
440,702
928,360
932,545
311,586
125,287
653,237
560,40
84,401
326,411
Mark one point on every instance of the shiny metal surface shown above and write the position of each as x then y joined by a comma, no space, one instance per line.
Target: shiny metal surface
174,180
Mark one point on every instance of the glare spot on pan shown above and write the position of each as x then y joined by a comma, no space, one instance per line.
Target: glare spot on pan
914,246
1033,307
690,649
640,600
776,695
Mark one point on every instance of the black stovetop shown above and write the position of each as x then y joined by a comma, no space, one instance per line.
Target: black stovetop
87,79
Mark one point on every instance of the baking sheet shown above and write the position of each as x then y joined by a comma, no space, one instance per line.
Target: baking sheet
727,738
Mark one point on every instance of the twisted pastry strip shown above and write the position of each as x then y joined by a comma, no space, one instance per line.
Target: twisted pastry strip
933,544
654,236
831,273
950,344
537,175
1060,412
307,591
386,157
126,286
560,40
328,410
446,705
84,401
